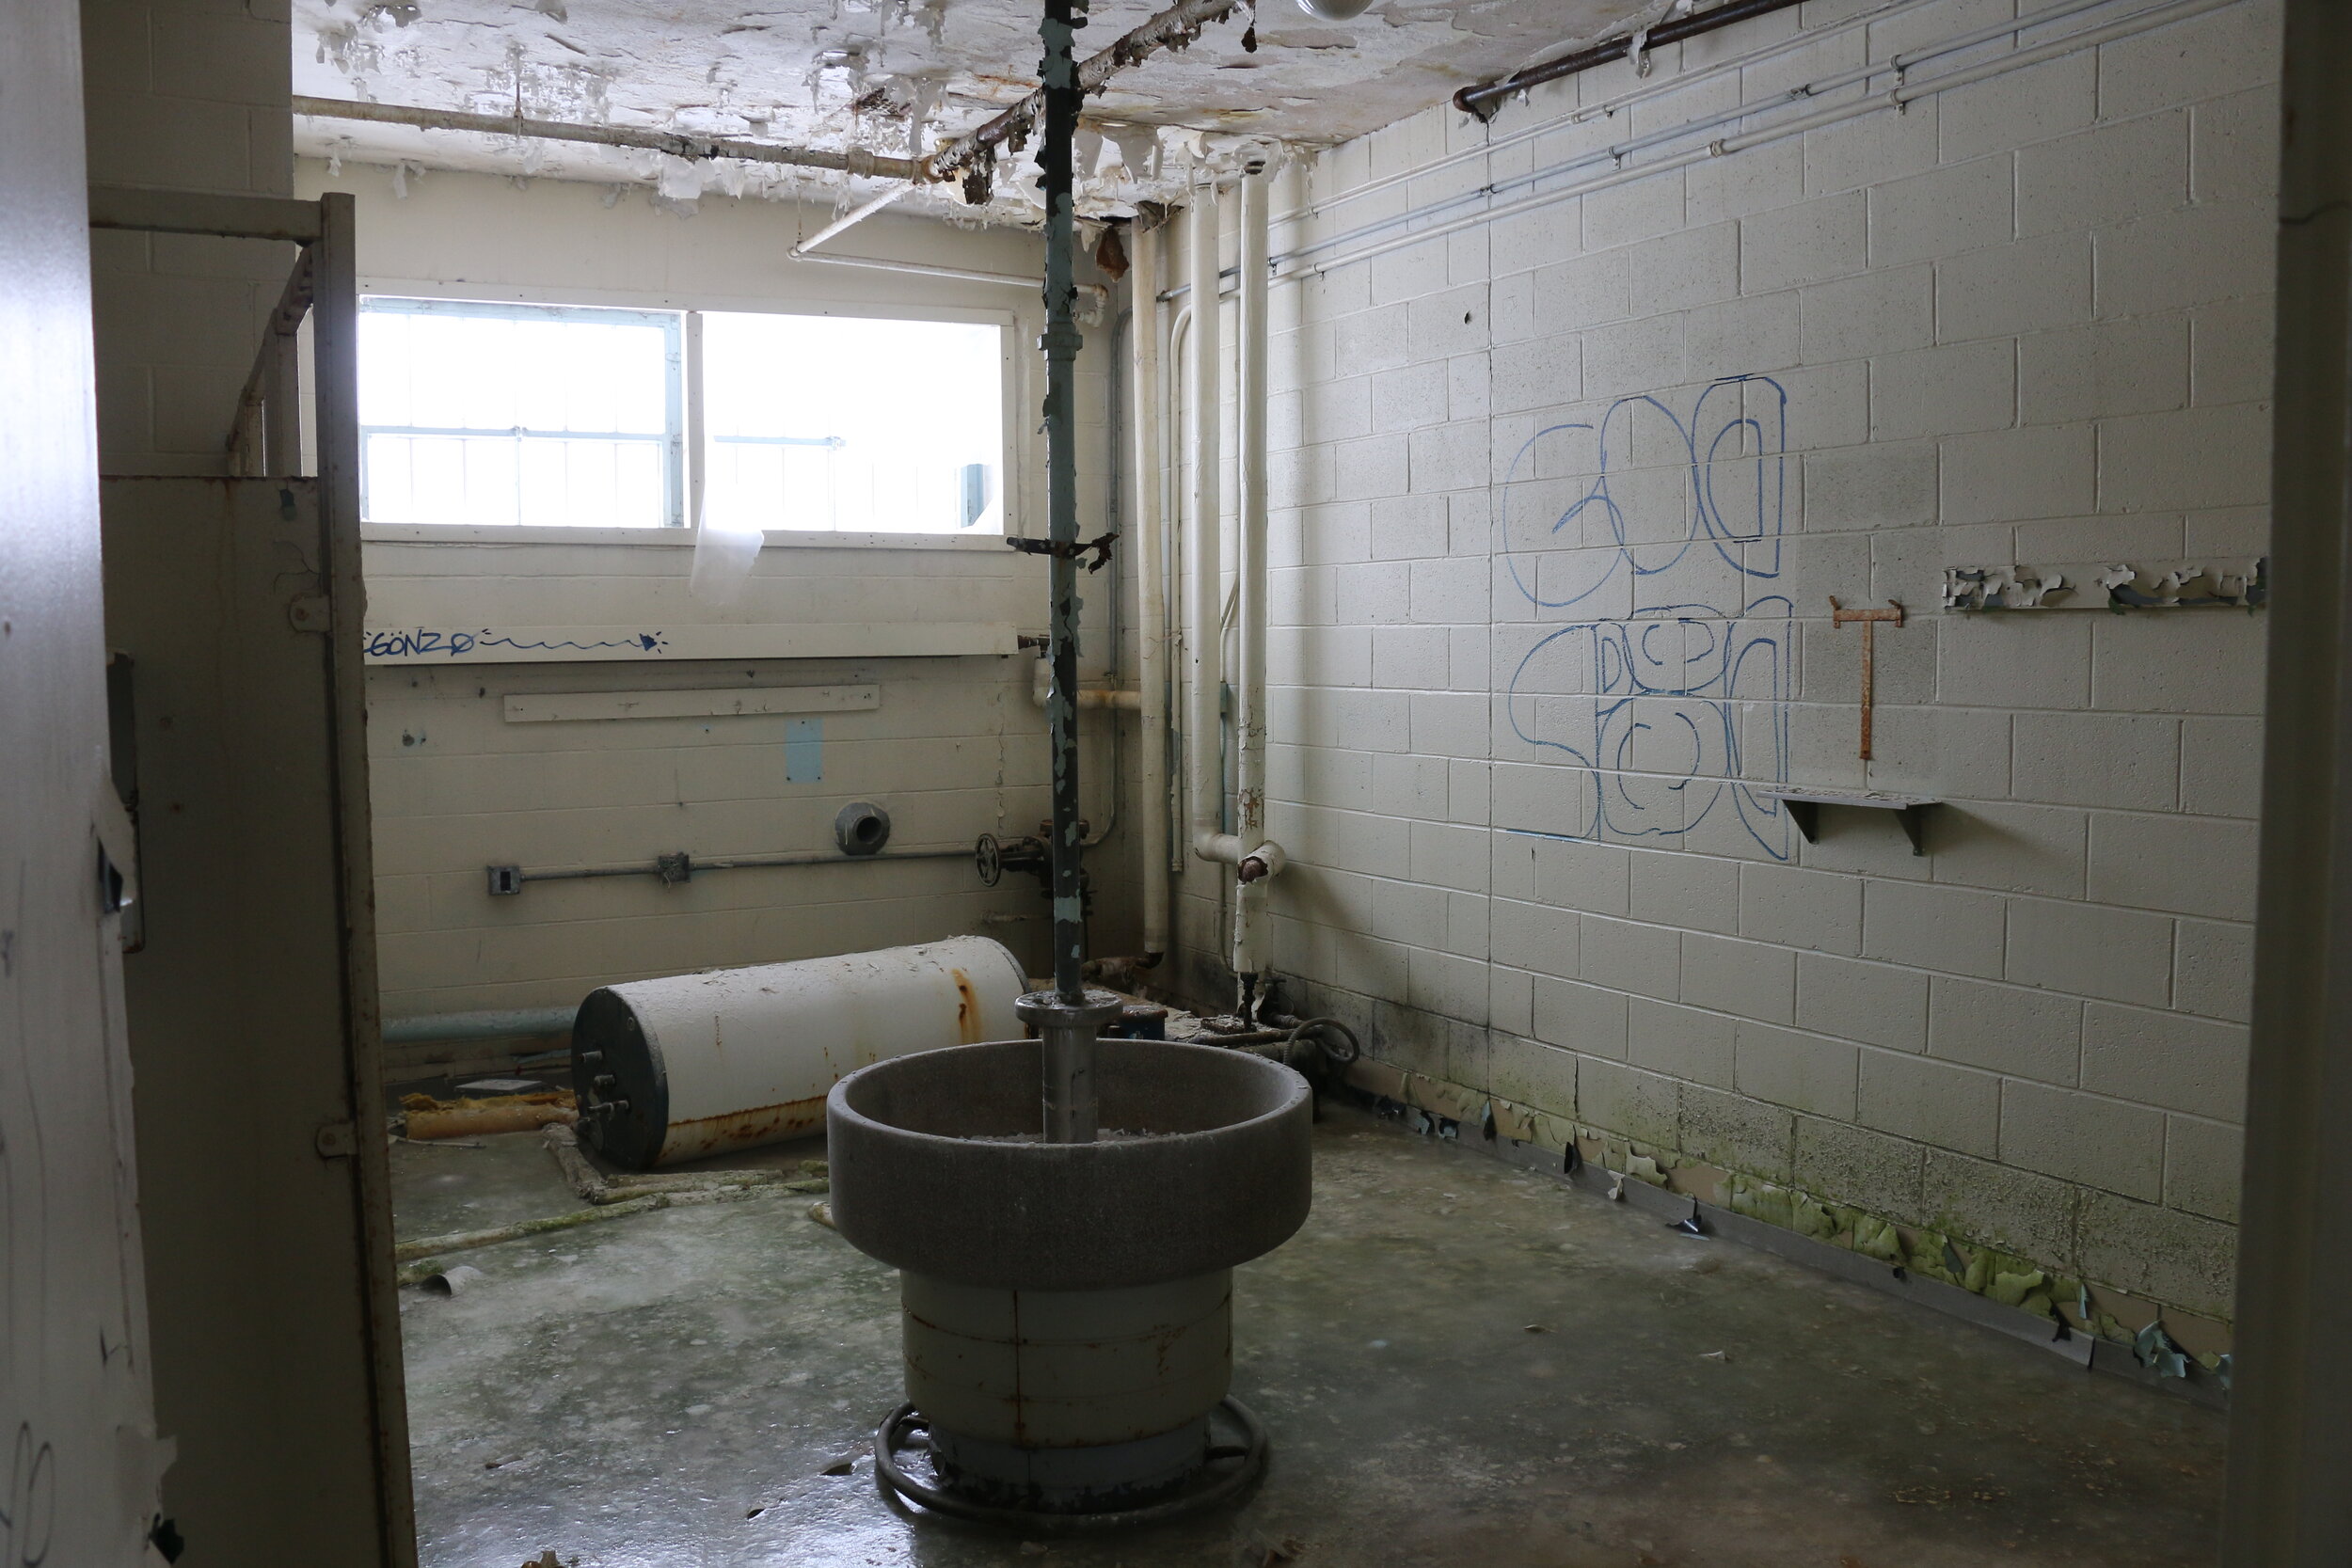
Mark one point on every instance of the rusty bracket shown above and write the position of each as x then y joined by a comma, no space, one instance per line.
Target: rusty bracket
1839,616
1099,546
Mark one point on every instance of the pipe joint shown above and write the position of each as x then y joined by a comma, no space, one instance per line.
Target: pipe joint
1266,860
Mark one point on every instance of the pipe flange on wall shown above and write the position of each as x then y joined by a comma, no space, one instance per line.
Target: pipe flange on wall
861,828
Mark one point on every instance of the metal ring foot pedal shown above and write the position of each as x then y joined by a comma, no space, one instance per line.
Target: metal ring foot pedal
1229,1470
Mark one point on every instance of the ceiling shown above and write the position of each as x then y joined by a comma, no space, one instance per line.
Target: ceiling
874,74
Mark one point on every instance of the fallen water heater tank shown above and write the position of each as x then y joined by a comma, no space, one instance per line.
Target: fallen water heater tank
692,1064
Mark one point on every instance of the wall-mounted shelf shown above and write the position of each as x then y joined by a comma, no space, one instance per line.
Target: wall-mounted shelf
1804,808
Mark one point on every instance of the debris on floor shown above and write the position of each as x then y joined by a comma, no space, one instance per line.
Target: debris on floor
451,1281
621,1186
612,1196
425,1118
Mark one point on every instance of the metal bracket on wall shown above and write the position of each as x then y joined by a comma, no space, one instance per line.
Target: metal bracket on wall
1805,806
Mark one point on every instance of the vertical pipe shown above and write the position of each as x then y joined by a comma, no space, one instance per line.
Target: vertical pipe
1062,339
1151,586
1203,754
1068,1017
1251,586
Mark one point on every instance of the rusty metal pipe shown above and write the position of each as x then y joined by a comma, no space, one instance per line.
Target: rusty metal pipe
1174,27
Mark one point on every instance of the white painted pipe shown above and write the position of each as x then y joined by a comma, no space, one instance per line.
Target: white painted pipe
675,1069
1090,295
1250,574
1143,419
848,221
1205,612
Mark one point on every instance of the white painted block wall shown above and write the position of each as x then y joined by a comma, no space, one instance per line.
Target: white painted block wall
2025,320
956,746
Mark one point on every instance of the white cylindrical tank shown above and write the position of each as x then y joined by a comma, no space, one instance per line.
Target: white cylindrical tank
675,1068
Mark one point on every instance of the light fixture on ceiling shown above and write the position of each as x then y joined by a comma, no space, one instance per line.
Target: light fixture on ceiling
1335,10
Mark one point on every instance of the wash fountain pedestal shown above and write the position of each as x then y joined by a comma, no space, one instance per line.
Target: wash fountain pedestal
1068,1307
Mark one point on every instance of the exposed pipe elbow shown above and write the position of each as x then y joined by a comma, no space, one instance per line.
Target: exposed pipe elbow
1225,848
1229,849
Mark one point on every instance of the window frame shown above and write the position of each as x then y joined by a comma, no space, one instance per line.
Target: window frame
1013,381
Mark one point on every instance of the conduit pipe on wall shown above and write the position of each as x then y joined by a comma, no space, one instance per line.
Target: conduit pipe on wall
1910,92
1204,753
1203,612
1615,154
1486,97
1143,363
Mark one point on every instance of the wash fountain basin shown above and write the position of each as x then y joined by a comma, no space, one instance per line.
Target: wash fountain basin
1068,1307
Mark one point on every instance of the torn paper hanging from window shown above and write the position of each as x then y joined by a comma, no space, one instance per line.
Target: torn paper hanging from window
2240,583
724,549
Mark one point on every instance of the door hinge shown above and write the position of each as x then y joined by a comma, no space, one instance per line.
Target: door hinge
310,612
338,1140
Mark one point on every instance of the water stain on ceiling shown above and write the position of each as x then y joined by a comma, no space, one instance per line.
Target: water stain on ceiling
890,76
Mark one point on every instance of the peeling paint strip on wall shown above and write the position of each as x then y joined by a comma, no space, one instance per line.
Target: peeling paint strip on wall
804,751
543,708
2241,582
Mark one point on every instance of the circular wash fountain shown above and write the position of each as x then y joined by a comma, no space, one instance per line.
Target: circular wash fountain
1068,1306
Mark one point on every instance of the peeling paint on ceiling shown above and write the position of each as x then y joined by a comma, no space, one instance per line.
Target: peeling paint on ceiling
890,76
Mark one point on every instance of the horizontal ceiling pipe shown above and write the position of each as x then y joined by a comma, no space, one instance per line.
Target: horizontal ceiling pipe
673,143
1175,27
1482,100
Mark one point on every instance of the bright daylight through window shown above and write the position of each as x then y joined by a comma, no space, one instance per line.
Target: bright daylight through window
571,415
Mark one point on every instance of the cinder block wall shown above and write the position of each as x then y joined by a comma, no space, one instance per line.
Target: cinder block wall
955,749
2023,320
183,95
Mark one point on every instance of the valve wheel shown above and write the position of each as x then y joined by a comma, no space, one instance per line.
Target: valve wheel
988,859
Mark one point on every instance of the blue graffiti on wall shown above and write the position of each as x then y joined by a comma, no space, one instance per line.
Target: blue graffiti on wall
1658,532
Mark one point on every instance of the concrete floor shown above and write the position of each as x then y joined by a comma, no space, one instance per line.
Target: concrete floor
1459,1363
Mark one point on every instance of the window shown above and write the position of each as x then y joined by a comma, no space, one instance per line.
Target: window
527,414
836,423
521,414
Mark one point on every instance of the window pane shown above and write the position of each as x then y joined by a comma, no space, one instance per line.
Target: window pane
471,413
882,426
